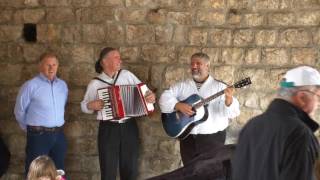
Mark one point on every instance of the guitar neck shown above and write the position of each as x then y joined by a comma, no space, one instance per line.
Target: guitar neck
210,98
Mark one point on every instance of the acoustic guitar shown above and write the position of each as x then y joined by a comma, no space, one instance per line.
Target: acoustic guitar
179,125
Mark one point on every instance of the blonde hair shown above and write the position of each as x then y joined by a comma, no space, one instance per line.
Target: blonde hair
42,167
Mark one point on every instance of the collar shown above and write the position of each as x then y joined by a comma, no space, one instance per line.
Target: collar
288,109
43,77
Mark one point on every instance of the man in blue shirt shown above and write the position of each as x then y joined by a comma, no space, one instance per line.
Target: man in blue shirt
39,110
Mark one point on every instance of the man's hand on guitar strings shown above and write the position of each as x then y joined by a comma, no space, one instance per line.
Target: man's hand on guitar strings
228,95
184,108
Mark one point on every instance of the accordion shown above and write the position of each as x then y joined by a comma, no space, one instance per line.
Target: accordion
124,101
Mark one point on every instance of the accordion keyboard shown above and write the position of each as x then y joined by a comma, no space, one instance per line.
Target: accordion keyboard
107,109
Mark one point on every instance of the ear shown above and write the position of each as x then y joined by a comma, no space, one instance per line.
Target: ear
300,100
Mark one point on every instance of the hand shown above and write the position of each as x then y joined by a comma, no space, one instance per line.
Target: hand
228,92
95,105
184,108
150,97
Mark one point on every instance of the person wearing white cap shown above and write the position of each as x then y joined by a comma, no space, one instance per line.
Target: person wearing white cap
280,143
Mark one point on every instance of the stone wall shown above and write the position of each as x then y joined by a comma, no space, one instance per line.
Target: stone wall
256,38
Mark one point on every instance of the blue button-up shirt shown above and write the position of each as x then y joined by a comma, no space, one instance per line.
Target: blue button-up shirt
41,102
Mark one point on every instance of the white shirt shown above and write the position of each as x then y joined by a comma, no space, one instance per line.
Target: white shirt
219,113
125,78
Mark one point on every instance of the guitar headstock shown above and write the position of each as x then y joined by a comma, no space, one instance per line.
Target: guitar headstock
242,83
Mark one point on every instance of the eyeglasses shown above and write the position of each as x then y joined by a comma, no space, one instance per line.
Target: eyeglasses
318,95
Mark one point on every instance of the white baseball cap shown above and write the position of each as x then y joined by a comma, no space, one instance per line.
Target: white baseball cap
301,76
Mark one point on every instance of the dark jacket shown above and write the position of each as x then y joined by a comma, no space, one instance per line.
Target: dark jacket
4,157
277,145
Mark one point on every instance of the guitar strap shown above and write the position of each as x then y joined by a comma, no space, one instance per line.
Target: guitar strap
111,84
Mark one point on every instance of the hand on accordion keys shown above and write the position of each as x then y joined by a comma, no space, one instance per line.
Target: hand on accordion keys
150,97
95,105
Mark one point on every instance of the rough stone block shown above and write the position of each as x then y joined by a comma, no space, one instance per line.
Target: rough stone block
116,34
295,37
55,3
71,33
311,18
181,18
10,74
6,16
60,15
14,55
94,15
81,3
238,4
93,33
140,3
281,19
180,34
129,54
32,52
224,73
158,53
253,20
256,75
220,37
10,33
211,18
233,55
276,75
29,16
266,5
266,37
157,16
137,34
49,33
164,34
213,53
173,74
275,56
185,54
82,74
141,71
31,3
253,56
243,37
198,37
214,4
307,56
111,3
131,15
82,54
299,4
157,76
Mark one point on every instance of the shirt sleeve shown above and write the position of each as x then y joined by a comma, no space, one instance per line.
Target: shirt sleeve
169,98
90,95
231,111
21,107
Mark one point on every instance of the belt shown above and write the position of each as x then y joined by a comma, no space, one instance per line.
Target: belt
44,129
115,121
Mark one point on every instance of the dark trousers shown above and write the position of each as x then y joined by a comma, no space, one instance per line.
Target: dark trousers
118,145
195,145
52,144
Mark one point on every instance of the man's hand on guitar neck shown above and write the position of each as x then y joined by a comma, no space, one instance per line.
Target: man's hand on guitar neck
184,108
228,95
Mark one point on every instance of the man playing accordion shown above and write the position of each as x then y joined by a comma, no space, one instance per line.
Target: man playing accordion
118,139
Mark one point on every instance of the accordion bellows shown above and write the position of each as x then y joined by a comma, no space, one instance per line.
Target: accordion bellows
124,101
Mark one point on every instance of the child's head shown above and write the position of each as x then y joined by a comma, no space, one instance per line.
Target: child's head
42,168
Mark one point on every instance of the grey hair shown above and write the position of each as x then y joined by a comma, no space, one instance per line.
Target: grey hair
287,93
201,55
